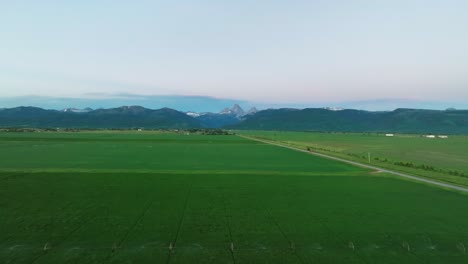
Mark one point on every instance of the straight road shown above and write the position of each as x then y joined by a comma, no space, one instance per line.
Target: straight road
404,175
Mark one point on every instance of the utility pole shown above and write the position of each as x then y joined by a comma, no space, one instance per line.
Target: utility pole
368,156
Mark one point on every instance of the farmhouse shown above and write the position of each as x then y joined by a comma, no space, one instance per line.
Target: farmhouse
442,136
389,135
430,136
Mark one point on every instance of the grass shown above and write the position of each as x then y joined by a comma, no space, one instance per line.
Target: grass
443,159
109,198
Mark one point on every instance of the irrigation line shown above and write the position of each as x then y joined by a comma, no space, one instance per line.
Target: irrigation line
399,245
19,222
137,221
6,176
340,237
285,236
14,175
125,236
61,209
181,221
228,224
404,175
67,236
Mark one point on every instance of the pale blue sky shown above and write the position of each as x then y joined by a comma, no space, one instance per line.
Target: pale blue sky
264,51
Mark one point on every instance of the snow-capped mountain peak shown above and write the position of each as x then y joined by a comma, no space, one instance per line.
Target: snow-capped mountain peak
235,110
76,110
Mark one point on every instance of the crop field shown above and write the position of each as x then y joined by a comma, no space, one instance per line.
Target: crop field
122,197
441,159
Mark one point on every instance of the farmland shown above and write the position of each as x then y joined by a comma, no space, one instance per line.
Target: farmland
122,197
441,159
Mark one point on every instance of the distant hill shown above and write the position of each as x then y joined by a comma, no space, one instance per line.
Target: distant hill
397,121
180,103
121,117
310,119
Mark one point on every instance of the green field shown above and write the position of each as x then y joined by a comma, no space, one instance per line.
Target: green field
119,197
441,159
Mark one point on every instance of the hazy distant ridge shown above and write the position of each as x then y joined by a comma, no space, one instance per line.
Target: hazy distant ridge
121,117
398,121
311,119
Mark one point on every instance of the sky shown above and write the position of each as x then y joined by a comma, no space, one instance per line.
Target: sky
296,52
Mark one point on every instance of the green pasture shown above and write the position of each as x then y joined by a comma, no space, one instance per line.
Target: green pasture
447,157
176,198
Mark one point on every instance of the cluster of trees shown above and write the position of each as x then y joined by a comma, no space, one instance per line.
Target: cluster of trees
457,173
397,163
327,150
21,130
425,167
208,131
201,131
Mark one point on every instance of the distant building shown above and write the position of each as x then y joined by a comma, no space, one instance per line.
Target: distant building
430,136
389,135
442,136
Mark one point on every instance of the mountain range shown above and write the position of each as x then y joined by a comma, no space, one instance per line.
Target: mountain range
182,103
120,117
448,121
212,104
333,119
